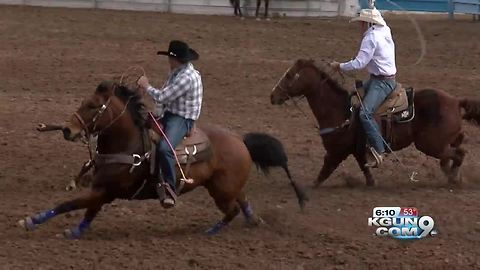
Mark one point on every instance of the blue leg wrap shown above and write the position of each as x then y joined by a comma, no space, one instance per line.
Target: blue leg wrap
77,232
247,211
215,228
43,216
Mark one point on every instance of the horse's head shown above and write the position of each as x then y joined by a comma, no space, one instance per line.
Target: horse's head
94,114
297,81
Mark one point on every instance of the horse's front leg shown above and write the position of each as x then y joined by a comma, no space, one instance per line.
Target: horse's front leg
362,160
84,178
91,200
330,163
77,231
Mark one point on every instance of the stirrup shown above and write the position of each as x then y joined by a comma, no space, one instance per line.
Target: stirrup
166,195
378,159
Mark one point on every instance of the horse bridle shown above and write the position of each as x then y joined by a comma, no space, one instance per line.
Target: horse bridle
295,78
282,88
98,115
322,131
95,118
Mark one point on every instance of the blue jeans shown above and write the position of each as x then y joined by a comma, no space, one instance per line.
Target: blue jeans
376,91
175,128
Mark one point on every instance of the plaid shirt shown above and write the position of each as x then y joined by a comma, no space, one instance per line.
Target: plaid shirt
181,94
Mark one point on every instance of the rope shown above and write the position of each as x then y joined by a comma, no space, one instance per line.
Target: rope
421,38
125,75
414,173
171,148
184,178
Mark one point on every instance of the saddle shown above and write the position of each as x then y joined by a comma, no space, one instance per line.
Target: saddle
397,108
194,148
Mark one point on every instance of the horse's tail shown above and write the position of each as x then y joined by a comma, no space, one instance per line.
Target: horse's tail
472,110
267,151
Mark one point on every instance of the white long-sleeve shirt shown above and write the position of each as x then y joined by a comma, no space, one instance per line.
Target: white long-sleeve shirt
377,53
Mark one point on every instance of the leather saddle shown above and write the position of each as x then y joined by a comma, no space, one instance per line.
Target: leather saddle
194,148
399,105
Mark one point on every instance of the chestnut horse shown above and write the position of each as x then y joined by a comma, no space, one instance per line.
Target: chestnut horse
115,114
436,129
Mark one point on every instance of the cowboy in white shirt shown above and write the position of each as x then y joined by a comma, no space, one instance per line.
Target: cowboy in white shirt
377,54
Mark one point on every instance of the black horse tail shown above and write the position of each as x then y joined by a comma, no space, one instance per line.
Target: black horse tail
266,152
472,110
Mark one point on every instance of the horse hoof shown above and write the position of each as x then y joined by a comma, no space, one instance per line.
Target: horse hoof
214,229
301,203
74,233
255,221
41,127
27,224
70,187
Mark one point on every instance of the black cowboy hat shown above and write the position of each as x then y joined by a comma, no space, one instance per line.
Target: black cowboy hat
180,50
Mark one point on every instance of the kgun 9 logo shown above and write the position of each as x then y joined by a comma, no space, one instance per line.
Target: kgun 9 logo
401,223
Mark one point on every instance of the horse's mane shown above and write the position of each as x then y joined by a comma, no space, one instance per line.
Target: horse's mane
336,80
136,106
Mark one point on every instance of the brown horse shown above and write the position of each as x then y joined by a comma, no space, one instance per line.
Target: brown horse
436,129
115,114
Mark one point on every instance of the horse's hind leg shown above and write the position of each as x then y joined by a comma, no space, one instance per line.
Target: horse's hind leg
247,211
457,162
450,163
230,208
452,158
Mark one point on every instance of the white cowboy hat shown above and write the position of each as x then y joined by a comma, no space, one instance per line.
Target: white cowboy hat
370,16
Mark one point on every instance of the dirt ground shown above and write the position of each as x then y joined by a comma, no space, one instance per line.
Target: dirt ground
52,58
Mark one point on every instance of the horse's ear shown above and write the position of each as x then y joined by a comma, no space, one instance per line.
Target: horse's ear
105,87
300,62
303,62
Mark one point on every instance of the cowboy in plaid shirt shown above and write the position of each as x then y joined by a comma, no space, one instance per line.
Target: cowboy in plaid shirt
181,94
180,102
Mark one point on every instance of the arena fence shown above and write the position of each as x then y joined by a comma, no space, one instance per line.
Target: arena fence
294,8
444,6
